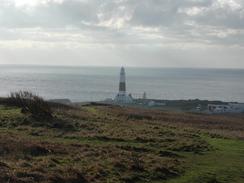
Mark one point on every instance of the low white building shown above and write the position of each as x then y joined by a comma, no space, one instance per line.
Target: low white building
213,108
237,107
226,108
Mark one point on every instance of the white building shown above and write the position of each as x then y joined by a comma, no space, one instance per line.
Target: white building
237,107
213,108
226,108
122,97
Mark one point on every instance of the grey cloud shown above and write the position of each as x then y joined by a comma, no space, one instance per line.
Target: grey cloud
143,13
129,26
53,14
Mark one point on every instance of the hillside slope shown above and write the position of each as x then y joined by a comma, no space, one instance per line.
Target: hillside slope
113,144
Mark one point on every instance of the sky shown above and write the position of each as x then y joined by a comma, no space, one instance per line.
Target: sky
141,33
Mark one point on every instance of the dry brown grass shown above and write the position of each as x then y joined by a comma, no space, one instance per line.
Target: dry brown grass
108,144
225,125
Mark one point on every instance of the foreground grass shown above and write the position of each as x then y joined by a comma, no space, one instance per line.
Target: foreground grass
223,164
113,144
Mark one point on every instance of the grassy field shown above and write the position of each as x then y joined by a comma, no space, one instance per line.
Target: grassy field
112,144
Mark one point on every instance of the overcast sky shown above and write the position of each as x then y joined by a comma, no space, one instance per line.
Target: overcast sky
155,33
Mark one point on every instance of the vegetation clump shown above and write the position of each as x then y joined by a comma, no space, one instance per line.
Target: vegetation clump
31,104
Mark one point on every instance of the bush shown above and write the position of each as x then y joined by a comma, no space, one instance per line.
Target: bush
137,163
31,104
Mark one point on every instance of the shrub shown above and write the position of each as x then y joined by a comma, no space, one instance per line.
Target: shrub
137,163
31,104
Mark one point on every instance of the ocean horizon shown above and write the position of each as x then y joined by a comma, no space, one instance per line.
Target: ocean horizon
89,83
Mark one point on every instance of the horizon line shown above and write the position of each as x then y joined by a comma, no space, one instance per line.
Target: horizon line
116,66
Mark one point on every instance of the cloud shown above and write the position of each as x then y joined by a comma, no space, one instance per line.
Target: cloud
118,25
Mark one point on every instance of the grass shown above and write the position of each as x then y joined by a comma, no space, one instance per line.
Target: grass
223,164
10,116
113,144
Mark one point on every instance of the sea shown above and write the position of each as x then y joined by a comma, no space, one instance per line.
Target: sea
82,84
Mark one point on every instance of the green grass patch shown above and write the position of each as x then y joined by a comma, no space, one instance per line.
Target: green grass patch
10,116
223,164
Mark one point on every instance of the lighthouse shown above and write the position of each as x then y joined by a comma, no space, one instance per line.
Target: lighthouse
122,96
122,82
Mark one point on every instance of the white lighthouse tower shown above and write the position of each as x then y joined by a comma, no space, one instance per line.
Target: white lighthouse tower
122,96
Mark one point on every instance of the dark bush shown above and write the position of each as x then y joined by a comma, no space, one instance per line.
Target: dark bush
36,106
35,150
137,163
